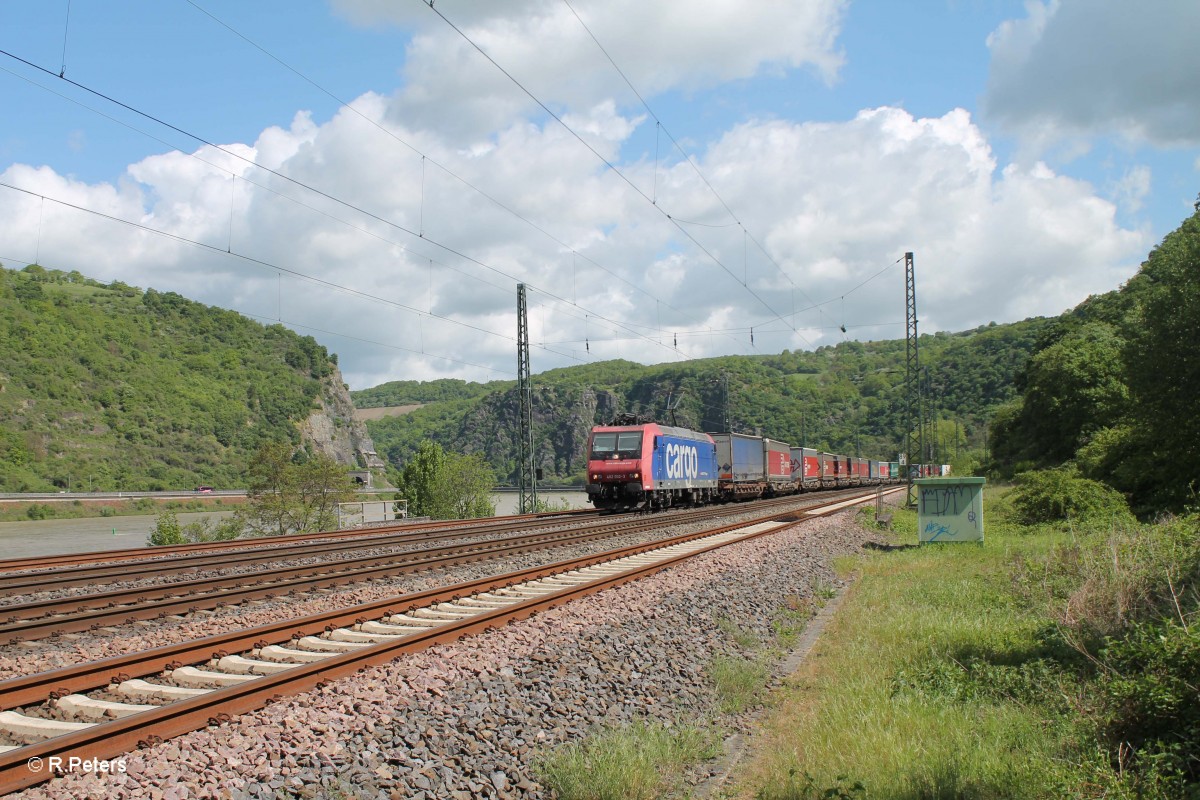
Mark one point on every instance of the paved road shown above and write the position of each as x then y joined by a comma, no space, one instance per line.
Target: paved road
54,536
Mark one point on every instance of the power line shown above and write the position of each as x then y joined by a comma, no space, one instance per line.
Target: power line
736,220
260,262
426,157
686,157
611,166
339,334
279,268
290,180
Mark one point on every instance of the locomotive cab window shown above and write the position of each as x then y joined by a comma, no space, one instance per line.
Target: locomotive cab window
603,445
629,445
617,445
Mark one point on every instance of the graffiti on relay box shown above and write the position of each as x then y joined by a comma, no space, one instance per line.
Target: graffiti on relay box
950,513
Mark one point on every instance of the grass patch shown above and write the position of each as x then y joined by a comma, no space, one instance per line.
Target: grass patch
789,625
640,761
744,639
739,682
823,590
938,679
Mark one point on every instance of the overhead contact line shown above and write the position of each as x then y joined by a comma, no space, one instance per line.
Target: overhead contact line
301,184
607,163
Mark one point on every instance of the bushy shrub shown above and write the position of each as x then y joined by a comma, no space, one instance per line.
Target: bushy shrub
205,530
166,530
1058,495
39,511
1150,688
1098,586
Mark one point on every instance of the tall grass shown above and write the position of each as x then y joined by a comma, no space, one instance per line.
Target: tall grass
739,682
936,680
640,761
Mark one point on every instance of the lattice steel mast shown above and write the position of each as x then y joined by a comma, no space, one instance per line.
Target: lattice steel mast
912,378
527,475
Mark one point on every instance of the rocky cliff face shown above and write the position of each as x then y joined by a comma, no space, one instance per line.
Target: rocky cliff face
334,431
562,419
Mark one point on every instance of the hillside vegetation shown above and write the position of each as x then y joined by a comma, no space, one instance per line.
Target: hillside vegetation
106,387
1113,387
849,398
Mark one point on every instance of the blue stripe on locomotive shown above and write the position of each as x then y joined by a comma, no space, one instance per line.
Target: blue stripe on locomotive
679,463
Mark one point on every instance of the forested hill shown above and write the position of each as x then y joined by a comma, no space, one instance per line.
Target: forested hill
106,387
1113,389
844,398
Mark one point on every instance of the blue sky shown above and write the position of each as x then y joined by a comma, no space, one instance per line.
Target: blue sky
1030,154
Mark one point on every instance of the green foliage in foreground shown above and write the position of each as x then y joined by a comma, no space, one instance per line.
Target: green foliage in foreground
641,761
1047,663
739,681
445,485
1124,601
1114,385
1152,691
1057,495
290,492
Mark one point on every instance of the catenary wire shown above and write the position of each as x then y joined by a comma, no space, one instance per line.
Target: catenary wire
424,156
686,157
277,267
609,164
298,183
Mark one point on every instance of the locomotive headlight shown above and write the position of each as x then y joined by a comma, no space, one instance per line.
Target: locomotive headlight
596,477
637,475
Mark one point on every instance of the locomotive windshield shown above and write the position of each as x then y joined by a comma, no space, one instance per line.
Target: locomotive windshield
627,444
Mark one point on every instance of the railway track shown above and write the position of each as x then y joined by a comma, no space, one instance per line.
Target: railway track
89,574
42,618
109,707
160,552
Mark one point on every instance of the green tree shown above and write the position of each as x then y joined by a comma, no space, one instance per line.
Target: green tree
289,492
1163,368
446,485
166,530
1074,387
268,491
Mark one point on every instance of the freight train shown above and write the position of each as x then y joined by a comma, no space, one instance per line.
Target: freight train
648,466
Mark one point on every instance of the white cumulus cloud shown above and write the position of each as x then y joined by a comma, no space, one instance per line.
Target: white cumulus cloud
1083,67
831,203
414,274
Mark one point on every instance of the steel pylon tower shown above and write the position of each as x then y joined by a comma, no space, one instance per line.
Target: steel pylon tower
527,475
912,379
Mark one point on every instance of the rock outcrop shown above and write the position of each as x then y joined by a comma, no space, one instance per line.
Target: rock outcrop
333,430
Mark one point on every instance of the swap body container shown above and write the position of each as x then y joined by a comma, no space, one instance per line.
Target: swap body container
778,458
806,465
830,468
740,457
